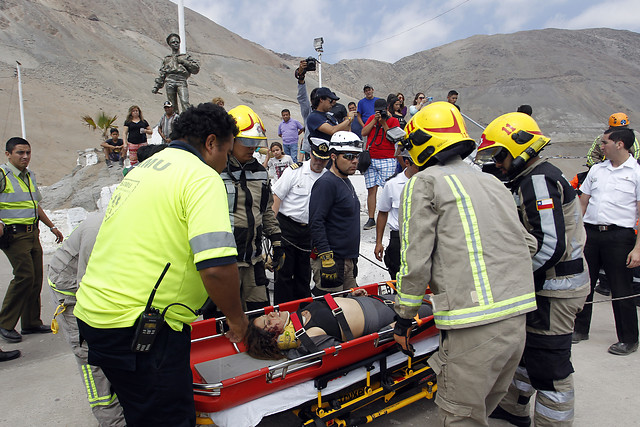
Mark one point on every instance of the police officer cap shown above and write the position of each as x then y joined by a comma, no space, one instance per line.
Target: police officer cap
319,148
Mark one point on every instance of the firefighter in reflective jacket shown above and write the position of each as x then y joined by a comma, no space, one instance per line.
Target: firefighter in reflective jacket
460,233
250,208
550,210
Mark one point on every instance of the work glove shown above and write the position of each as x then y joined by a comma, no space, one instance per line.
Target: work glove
329,277
401,334
278,255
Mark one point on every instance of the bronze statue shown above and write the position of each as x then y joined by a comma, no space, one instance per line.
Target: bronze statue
174,72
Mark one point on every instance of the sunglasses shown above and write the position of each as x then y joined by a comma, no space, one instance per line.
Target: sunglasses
421,97
350,156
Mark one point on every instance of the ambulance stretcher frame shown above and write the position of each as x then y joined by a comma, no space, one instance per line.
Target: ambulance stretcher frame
232,388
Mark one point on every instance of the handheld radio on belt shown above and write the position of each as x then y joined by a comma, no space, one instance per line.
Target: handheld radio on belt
150,321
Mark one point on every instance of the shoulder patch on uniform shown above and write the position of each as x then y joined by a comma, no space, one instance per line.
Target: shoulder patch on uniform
544,204
295,165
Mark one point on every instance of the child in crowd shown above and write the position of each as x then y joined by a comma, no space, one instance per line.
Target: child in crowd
276,162
112,149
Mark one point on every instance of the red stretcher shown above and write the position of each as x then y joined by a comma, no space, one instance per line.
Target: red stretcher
225,377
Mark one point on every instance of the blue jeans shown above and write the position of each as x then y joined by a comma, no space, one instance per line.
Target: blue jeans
291,150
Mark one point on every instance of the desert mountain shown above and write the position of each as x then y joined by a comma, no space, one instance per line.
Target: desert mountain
81,56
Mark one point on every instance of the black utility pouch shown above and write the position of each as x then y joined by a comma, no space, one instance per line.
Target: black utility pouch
7,237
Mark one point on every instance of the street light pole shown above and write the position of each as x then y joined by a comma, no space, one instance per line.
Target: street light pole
21,100
317,45
181,30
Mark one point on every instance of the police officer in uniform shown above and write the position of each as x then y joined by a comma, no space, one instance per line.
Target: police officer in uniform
291,195
20,214
460,235
176,203
250,204
550,210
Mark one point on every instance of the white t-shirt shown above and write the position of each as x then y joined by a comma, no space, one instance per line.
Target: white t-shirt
614,193
389,199
294,190
277,166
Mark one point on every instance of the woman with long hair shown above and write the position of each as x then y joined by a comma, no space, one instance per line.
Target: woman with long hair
419,101
272,336
136,129
403,108
393,107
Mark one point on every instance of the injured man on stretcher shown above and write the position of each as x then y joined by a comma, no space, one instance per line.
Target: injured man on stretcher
273,336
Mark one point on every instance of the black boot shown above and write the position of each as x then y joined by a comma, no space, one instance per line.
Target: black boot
501,414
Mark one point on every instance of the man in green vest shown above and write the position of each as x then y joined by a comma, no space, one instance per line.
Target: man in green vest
20,213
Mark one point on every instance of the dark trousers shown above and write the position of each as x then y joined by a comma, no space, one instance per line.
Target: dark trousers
293,279
609,250
154,388
22,300
392,254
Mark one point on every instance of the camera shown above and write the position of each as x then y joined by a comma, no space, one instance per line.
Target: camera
311,64
396,134
383,113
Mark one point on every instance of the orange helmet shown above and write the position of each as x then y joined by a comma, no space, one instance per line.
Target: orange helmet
618,119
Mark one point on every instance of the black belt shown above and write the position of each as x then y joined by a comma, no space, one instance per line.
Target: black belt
605,227
287,218
21,228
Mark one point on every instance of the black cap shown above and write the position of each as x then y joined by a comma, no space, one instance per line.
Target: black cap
325,92
319,148
380,104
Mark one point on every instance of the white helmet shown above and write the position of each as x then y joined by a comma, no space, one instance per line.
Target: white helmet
345,142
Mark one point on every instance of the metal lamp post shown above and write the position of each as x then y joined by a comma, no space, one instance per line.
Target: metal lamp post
317,45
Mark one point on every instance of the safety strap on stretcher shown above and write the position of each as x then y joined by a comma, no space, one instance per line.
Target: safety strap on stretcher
339,315
301,333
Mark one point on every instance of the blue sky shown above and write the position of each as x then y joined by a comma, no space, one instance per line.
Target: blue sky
389,30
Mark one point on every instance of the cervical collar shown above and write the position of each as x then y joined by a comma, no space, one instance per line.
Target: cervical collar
287,339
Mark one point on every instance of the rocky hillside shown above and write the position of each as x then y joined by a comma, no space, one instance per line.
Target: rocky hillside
80,56
573,79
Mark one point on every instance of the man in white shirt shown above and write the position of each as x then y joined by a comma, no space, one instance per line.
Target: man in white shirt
291,195
388,207
610,205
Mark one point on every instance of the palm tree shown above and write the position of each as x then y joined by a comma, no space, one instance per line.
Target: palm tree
103,121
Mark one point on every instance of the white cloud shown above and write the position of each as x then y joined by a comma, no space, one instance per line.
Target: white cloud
358,28
617,14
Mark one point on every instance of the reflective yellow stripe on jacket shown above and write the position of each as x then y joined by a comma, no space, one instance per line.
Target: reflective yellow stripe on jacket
472,236
487,308
18,204
404,298
485,312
